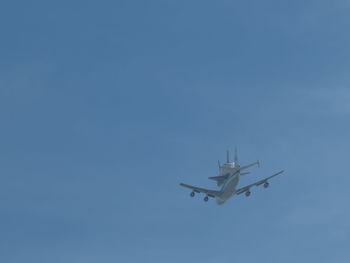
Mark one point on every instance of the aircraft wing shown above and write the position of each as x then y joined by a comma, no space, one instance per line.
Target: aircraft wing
218,178
246,188
211,193
250,165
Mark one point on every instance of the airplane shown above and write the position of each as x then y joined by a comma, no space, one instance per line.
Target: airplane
228,179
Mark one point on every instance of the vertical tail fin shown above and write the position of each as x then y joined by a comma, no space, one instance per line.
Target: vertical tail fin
236,155
227,157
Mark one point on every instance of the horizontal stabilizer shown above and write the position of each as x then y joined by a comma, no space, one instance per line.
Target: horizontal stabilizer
250,165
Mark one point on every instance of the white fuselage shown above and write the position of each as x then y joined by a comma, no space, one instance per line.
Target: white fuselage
229,185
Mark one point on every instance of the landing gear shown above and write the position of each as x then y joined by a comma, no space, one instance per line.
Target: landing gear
266,185
192,194
206,199
247,193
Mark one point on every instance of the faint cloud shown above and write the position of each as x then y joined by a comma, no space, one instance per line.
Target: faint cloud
24,81
336,100
320,12
323,211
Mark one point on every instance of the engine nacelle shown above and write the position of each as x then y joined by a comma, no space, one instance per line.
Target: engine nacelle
266,185
206,199
192,194
247,193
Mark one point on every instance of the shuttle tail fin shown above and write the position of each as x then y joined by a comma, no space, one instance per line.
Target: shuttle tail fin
236,156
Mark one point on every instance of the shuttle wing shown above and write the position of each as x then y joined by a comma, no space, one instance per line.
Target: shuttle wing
211,193
246,188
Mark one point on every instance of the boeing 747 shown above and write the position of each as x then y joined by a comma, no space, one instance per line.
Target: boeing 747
228,179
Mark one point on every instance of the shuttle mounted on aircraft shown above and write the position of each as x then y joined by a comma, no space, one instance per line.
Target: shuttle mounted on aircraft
228,179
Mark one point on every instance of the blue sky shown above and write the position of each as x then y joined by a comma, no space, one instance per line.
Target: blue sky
105,107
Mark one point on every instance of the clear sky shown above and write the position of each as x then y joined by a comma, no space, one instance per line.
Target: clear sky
106,106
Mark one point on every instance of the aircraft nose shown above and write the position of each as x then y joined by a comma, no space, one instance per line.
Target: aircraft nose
219,201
